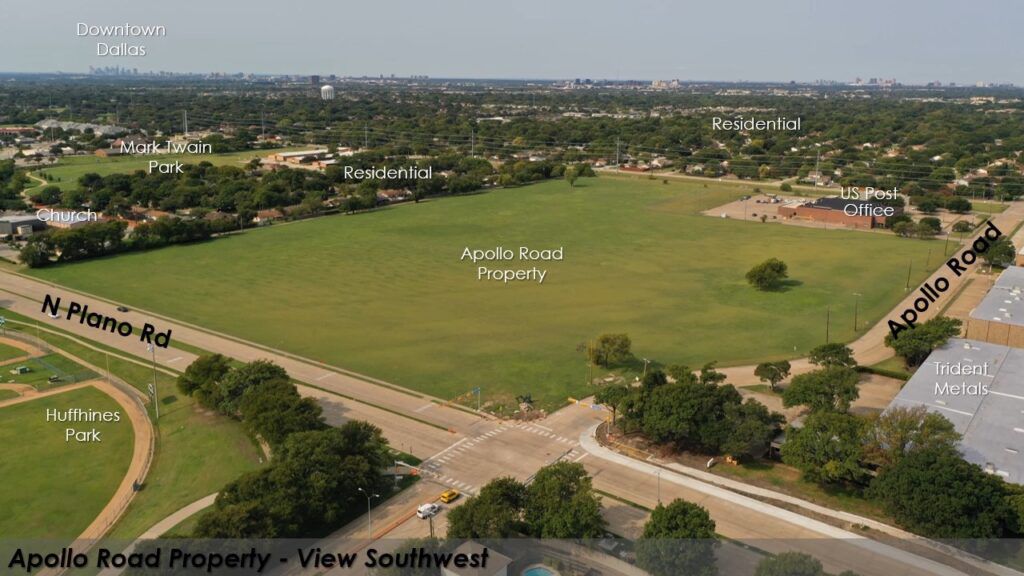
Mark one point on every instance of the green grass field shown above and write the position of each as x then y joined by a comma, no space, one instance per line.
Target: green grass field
67,172
197,454
7,394
38,495
8,352
385,293
42,368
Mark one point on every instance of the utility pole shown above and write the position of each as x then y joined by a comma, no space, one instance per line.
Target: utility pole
366,136
263,127
910,266
184,121
156,395
856,301
817,172
472,142
828,321
616,154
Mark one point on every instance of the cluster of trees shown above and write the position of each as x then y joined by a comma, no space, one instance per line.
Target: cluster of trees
560,502
915,344
309,489
768,275
311,486
230,189
926,141
693,411
259,393
906,459
12,182
106,238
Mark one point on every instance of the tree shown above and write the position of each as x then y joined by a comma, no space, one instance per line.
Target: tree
915,344
678,539
790,564
904,229
903,429
571,174
561,503
610,349
827,448
203,372
958,205
241,379
1001,253
768,275
962,226
751,427
936,493
925,230
496,512
274,410
832,354
832,388
36,254
772,372
611,396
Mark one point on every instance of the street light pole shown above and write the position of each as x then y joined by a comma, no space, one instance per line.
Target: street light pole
369,519
646,362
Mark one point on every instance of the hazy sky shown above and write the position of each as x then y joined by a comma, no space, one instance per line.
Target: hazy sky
911,40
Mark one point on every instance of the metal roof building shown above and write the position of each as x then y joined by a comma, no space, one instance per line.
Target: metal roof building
986,405
999,317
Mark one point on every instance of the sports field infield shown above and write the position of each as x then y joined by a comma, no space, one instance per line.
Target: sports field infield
38,496
386,294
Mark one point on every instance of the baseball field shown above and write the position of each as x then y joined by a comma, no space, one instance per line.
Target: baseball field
38,496
390,294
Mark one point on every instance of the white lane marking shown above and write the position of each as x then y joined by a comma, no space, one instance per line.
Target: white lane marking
424,407
544,427
325,376
173,360
447,449
582,456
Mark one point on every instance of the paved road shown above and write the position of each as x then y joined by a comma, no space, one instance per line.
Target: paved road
476,449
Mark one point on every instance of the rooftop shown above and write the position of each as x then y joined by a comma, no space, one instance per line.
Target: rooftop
14,217
1003,303
986,408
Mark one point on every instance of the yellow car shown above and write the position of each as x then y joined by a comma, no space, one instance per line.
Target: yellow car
449,495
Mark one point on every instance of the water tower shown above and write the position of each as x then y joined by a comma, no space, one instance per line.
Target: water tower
327,92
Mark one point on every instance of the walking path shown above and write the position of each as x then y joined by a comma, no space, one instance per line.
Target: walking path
164,526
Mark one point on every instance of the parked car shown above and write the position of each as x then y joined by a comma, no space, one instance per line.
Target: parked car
122,308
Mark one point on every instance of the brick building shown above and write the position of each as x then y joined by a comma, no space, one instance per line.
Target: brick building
842,212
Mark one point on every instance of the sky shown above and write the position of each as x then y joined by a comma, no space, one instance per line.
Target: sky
914,41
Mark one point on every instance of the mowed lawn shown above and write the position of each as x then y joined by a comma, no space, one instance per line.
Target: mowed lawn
386,294
50,488
66,173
